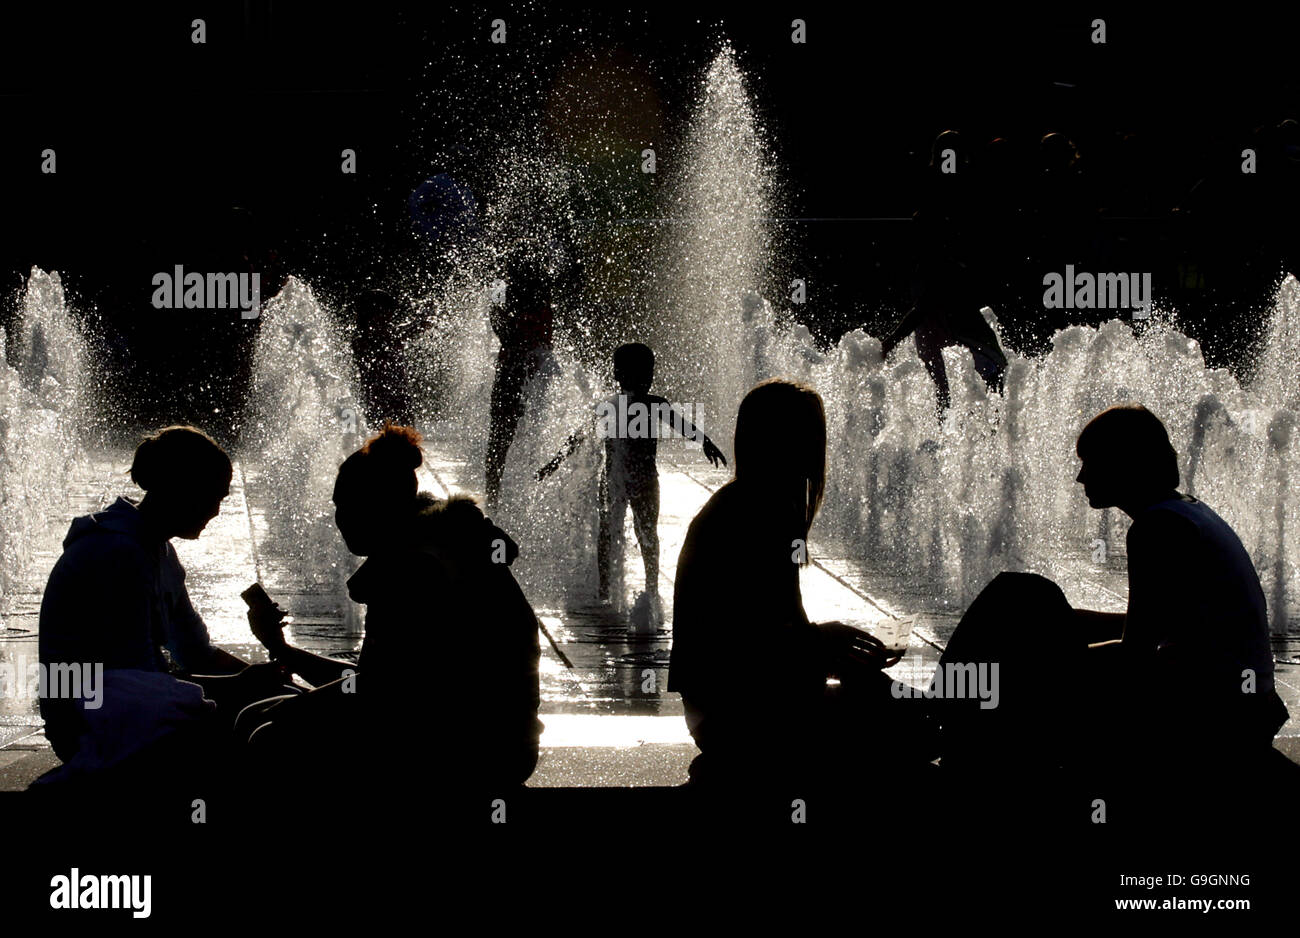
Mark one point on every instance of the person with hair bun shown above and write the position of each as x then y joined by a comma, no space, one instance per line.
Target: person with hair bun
117,598
438,592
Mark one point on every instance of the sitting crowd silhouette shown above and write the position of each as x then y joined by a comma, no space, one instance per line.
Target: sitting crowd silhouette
1156,708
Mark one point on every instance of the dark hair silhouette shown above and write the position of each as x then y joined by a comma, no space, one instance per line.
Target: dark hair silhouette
180,457
386,463
1131,436
780,445
634,366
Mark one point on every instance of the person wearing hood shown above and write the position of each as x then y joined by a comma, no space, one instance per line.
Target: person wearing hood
438,591
116,598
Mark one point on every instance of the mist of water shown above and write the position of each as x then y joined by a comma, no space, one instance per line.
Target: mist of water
41,408
718,248
303,421
939,504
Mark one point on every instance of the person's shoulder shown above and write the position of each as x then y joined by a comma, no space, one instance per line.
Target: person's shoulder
723,507
457,527
1170,521
103,546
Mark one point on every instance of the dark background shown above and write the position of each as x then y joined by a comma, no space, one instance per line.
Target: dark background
157,139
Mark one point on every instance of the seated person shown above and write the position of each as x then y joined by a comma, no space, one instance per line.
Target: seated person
117,598
1194,642
1180,683
751,668
451,655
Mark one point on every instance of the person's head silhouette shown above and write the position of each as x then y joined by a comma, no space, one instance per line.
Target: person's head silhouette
634,367
185,475
374,494
780,448
1128,461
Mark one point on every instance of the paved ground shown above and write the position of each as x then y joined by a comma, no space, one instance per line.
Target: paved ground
609,720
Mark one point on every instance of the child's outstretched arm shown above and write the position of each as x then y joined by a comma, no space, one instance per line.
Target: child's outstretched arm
565,451
692,432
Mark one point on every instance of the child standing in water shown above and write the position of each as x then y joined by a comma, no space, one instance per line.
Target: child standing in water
631,423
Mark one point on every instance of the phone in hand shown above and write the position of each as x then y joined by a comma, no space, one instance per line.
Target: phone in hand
257,598
265,617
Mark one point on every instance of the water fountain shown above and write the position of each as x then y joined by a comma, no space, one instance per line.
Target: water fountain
304,420
934,505
951,501
41,401
707,313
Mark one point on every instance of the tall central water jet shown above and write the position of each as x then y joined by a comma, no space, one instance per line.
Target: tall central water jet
718,246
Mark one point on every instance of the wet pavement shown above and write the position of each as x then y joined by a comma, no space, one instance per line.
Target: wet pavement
609,719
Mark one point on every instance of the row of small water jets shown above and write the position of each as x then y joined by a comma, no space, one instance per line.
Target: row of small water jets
936,505
940,504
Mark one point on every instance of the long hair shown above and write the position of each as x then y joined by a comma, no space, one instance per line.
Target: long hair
781,445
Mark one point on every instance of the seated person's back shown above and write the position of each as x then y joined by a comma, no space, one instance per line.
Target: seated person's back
744,658
446,596
1197,616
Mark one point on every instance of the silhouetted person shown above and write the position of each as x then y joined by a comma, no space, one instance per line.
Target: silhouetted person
524,323
946,293
117,597
1179,687
751,668
1195,636
449,664
947,312
1063,206
630,424
948,186
999,247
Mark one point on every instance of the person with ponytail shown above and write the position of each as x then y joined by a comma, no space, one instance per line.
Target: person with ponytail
450,650
751,668
116,598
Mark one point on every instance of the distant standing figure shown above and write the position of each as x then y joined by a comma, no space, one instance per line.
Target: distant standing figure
946,313
524,324
384,326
